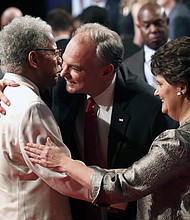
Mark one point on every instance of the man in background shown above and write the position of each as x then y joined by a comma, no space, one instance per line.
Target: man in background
62,27
153,25
9,14
6,17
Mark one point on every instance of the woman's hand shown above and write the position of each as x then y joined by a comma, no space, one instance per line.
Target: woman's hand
54,158
49,155
3,98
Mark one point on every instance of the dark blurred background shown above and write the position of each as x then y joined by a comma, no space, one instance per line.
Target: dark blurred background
37,8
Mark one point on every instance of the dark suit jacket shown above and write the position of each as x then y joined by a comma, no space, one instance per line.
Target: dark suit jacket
62,43
179,21
136,120
135,64
129,48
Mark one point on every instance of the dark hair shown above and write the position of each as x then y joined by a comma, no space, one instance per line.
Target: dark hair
172,61
94,14
59,19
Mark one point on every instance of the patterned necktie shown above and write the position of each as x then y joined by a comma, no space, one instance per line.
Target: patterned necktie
90,134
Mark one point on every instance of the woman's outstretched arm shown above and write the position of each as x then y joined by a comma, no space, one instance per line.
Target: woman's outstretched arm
53,157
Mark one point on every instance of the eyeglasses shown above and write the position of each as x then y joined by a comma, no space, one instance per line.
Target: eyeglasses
57,52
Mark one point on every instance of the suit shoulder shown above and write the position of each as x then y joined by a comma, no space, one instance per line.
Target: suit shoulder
133,59
130,85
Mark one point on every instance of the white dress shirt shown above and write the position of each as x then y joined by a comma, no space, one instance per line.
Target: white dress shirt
104,112
104,105
147,69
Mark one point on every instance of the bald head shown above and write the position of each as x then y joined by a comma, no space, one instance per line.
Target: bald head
9,14
151,6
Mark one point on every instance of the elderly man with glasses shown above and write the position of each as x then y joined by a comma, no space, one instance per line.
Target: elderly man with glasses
30,57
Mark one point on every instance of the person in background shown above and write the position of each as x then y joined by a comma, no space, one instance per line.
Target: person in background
126,28
129,116
6,17
112,7
79,5
160,181
179,18
186,2
136,5
9,14
153,26
32,61
62,27
125,22
94,14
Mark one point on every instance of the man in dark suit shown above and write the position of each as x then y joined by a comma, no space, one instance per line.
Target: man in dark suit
153,25
129,116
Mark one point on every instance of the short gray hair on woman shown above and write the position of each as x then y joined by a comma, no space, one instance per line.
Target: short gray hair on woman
18,38
109,46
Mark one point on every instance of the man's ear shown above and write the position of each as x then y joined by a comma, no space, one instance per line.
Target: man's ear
108,70
33,59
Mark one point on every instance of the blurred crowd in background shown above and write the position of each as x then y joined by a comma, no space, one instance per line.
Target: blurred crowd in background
121,14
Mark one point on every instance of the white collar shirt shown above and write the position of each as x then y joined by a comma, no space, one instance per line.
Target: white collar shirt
104,105
26,188
150,78
104,112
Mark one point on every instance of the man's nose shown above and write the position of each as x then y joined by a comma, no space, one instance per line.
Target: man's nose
153,28
65,70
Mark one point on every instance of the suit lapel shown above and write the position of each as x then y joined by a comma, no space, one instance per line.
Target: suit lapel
119,119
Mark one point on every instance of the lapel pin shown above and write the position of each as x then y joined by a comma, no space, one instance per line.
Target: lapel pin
121,120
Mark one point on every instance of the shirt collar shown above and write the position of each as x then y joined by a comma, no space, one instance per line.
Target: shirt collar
148,53
61,37
22,81
105,99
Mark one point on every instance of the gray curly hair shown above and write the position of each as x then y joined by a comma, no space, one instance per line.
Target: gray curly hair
18,38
